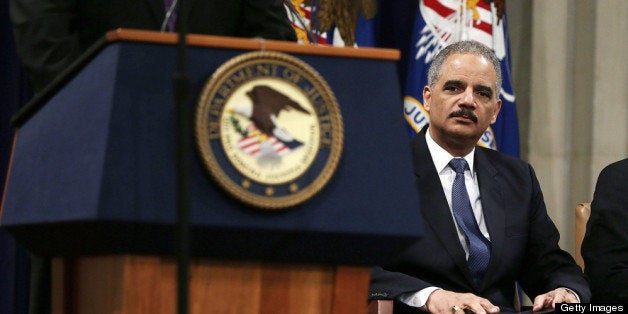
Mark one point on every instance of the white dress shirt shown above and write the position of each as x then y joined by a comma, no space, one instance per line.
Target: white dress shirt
447,175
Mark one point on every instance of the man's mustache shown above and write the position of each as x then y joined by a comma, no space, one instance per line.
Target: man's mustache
464,113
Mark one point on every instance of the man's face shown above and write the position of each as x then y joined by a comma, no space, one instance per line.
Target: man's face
463,102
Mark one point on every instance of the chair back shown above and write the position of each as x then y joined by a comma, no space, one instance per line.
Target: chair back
380,307
583,211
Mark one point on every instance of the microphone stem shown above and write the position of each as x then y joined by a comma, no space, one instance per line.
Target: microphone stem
183,129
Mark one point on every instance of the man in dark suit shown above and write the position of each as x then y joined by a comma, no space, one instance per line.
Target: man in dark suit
605,244
51,34
470,260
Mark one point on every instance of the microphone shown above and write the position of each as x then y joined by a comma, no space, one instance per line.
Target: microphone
168,17
298,17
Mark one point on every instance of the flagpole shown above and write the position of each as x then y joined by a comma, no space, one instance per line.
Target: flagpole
462,17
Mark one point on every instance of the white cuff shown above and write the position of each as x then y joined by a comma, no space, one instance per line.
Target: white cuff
417,299
574,293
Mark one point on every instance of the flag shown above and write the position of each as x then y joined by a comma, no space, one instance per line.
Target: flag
303,20
442,22
327,30
257,144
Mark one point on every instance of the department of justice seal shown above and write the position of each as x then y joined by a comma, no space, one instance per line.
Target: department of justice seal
269,129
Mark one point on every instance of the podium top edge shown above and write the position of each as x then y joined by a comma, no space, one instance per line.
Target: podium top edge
155,37
251,44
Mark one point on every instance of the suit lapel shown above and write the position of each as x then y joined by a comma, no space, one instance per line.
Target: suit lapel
189,5
493,208
434,204
157,10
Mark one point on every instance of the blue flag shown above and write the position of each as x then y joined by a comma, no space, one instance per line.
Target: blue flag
442,22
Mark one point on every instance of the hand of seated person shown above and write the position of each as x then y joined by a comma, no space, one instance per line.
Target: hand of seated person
444,301
548,300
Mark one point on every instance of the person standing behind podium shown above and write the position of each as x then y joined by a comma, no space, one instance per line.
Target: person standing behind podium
605,244
51,34
486,224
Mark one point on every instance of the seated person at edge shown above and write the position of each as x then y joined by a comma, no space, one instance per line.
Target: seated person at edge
486,227
605,244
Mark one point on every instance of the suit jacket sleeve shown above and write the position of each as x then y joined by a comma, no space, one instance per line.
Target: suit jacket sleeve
43,38
605,246
546,266
388,285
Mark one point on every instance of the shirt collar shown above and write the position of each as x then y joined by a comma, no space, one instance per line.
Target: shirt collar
441,157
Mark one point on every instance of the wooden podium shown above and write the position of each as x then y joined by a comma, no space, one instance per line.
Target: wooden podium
93,174
147,284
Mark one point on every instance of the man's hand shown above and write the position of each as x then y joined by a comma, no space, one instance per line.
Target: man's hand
444,301
547,300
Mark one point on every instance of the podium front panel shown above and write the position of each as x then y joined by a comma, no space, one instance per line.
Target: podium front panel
93,172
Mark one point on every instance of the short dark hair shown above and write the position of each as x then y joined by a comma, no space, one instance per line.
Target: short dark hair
464,47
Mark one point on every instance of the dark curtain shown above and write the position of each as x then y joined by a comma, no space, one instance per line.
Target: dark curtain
14,93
